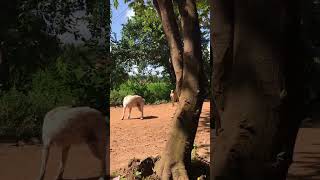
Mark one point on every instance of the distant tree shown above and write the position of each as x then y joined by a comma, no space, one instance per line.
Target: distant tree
144,43
29,31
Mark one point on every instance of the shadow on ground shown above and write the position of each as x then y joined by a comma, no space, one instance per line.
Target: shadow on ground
150,117
92,178
198,169
144,118
206,120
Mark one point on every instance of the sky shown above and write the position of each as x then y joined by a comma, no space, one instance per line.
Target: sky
120,16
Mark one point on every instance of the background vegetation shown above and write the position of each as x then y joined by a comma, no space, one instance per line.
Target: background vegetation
52,53
141,58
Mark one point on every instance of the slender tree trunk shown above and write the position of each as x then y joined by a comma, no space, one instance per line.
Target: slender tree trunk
255,50
170,28
176,158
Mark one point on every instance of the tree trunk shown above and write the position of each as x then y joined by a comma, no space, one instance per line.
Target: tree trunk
216,76
170,28
176,158
256,57
171,72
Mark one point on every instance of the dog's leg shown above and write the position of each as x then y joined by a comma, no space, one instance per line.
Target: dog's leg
130,108
140,107
64,156
99,150
44,160
123,111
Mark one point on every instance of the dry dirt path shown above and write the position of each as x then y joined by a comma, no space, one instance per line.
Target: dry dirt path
142,138
306,165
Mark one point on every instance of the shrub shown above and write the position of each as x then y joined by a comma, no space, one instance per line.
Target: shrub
128,88
152,92
14,108
158,91
73,79
87,81
21,114
47,93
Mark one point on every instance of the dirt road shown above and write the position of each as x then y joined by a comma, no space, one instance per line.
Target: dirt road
141,138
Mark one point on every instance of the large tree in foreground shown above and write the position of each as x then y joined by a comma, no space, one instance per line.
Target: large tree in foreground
257,84
186,56
183,36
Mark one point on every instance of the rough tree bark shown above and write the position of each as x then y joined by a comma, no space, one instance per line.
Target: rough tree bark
256,60
171,30
176,158
216,75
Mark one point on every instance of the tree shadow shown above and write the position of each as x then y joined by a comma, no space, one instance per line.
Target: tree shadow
203,145
91,178
150,117
145,118
205,120
199,168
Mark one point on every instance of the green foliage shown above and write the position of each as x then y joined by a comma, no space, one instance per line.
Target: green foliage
143,43
158,91
154,92
74,79
138,174
38,72
194,152
21,114
14,107
78,69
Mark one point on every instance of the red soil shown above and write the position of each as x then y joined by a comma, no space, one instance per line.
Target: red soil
141,138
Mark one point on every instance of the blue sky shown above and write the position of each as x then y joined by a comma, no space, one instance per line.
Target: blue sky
120,16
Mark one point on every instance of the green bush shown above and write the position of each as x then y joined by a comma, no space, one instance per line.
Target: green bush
47,93
158,91
14,108
73,79
128,88
21,114
77,69
152,92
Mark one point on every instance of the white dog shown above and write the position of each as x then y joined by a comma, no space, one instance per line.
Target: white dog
132,101
65,126
173,97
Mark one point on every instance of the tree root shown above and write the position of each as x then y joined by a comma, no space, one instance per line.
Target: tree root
169,169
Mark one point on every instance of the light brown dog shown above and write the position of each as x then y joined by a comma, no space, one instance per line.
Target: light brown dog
65,126
131,101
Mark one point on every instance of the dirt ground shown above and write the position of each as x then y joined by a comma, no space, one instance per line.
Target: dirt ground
141,138
306,165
